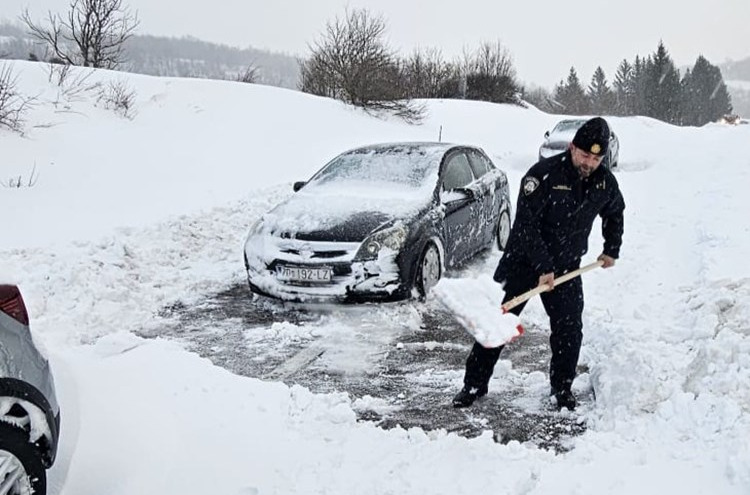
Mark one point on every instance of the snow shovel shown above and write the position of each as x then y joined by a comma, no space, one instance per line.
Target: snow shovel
474,304
544,288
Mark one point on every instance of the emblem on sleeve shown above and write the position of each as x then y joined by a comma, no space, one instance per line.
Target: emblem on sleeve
529,185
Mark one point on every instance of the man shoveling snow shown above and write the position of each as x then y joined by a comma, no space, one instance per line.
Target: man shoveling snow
559,200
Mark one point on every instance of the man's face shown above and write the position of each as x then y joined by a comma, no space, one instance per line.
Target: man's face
584,161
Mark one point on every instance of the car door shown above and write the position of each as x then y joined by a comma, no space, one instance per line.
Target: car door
488,203
461,206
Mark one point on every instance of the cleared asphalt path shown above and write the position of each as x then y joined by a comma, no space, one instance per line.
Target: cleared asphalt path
405,359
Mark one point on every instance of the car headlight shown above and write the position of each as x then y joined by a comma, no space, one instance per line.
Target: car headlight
548,149
253,241
256,228
392,238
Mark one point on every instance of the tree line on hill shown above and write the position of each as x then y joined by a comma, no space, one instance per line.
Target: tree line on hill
351,61
649,86
173,57
352,50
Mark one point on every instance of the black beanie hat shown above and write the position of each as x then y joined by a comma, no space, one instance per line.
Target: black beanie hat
593,136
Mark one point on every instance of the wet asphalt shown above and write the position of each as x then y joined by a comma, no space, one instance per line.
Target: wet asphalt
406,358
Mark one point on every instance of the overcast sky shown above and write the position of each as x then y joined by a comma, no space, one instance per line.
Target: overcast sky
544,37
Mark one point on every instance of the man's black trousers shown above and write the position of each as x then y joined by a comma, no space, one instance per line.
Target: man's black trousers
564,306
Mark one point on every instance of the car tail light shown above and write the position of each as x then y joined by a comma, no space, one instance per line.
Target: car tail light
11,303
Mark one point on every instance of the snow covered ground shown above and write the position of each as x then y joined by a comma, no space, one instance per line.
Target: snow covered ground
127,215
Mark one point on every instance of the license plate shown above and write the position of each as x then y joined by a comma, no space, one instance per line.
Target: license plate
301,274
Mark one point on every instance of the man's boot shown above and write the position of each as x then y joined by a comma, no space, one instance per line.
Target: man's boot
566,399
468,395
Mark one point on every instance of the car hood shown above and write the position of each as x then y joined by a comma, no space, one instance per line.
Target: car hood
326,214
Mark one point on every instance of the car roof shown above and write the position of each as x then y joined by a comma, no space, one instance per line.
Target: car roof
408,146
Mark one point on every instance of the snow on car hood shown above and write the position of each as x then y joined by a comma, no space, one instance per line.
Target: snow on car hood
562,137
345,211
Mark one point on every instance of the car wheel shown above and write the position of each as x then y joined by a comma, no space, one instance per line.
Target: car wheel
503,230
21,468
429,270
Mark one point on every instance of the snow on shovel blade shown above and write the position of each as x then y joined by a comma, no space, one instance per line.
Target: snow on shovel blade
475,302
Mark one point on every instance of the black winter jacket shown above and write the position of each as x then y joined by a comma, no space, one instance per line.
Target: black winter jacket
556,210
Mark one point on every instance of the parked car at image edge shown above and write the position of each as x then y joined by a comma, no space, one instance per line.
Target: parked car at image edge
380,223
29,412
557,140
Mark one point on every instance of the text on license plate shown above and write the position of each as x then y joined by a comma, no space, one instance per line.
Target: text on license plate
300,274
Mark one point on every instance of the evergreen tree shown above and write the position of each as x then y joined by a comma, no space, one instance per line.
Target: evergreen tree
638,103
663,87
704,94
571,96
624,89
601,97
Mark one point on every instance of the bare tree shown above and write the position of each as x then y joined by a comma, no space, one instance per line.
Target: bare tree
540,98
352,63
92,34
429,76
490,75
12,104
119,97
73,85
248,75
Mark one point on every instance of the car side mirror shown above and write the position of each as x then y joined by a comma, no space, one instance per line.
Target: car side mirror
299,185
454,198
469,193
546,135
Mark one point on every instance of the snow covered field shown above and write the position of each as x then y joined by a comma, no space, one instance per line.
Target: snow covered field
127,215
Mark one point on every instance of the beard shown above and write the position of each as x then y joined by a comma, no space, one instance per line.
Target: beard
585,171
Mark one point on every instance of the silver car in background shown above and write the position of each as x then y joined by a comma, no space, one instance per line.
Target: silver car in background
29,412
557,140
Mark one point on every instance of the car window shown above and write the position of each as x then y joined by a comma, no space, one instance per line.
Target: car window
479,163
457,172
567,126
403,165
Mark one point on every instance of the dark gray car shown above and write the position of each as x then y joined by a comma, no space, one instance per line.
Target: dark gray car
29,413
380,223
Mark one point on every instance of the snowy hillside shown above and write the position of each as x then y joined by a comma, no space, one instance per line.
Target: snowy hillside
129,215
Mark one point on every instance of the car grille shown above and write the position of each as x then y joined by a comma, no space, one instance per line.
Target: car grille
300,253
317,254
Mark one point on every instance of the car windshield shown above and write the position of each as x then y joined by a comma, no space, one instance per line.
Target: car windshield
403,166
567,126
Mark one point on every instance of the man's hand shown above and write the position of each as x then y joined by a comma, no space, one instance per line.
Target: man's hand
547,279
607,261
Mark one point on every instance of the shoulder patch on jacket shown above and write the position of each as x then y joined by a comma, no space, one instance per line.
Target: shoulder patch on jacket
530,185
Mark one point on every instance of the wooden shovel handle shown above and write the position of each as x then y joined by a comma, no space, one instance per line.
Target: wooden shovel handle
544,288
